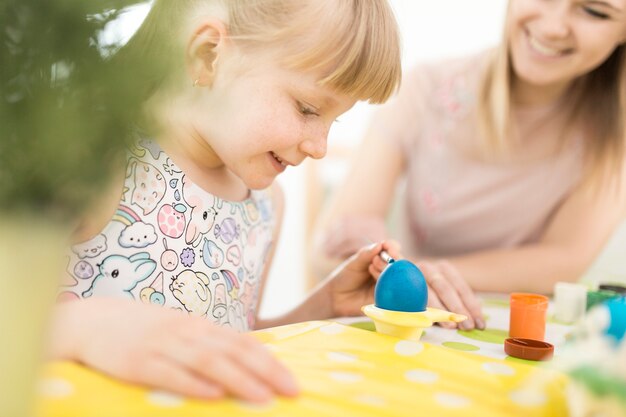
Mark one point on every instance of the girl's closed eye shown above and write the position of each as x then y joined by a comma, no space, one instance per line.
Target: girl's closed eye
307,109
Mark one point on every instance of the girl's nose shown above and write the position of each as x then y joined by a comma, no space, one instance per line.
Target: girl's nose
315,146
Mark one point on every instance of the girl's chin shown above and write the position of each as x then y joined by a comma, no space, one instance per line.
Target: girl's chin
259,183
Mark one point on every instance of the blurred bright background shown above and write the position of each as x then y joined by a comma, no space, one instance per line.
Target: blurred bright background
430,30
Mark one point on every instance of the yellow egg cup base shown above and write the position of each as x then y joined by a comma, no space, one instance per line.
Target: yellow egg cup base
408,325
401,332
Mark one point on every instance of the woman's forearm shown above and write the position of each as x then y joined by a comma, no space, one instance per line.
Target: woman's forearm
532,268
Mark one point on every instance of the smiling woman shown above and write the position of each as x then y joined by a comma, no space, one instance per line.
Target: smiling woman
575,48
512,159
557,45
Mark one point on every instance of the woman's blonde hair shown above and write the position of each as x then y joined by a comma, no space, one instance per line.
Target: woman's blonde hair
598,98
354,43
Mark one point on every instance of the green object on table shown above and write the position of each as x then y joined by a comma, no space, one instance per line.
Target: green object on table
496,336
464,347
365,325
600,296
599,382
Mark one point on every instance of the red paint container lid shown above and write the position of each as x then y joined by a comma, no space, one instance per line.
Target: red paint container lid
529,349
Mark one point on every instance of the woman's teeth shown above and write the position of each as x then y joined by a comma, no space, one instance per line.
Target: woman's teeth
542,49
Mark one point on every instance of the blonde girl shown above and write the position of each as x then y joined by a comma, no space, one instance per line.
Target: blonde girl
168,275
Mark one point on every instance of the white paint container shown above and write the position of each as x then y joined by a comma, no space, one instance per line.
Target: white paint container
570,301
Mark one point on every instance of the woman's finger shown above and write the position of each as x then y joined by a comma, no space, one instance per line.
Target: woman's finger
447,294
467,295
434,302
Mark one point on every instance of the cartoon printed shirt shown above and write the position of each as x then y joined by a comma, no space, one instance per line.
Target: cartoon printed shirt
172,243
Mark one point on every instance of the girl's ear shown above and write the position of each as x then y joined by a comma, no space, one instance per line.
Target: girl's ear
203,50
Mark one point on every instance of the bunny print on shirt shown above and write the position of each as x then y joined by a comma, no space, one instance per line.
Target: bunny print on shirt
174,244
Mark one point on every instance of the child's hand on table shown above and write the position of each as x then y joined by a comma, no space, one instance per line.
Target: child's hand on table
165,349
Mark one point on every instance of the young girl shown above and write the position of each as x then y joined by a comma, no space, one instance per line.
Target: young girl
512,158
168,271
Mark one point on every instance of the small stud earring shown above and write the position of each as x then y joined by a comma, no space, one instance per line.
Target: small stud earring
196,82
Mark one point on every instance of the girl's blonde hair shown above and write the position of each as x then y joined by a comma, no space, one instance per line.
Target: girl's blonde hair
598,98
354,43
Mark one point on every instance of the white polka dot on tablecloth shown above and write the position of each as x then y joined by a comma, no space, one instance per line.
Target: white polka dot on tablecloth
369,399
497,368
347,377
451,400
56,388
340,357
165,399
529,397
333,328
421,375
408,348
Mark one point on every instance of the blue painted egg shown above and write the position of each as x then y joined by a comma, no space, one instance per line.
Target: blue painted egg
617,314
401,287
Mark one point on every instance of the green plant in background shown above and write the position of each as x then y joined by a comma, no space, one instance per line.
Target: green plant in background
64,111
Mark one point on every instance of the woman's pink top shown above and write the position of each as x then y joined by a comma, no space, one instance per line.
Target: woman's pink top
458,203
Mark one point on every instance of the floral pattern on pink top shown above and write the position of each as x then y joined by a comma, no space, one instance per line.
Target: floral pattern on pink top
455,202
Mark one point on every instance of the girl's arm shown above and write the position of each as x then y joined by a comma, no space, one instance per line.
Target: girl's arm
316,306
166,349
573,239
349,287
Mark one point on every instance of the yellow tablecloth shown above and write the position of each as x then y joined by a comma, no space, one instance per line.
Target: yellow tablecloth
343,371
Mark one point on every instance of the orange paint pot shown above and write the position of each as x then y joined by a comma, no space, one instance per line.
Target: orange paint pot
528,316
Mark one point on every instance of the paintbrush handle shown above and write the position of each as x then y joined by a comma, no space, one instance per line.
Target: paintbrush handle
386,257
